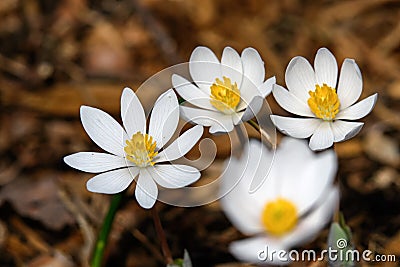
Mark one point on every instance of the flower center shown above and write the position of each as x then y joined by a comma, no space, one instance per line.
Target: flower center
279,216
324,102
141,149
225,96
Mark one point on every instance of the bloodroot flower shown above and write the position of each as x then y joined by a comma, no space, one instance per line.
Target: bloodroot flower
134,151
292,205
312,93
223,93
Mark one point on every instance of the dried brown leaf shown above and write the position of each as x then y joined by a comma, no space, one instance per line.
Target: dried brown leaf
349,149
37,198
382,148
386,177
105,52
57,260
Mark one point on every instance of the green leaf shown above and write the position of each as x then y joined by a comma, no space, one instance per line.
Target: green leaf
344,226
339,240
185,262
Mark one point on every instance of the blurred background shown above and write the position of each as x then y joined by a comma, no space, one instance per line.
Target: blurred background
58,55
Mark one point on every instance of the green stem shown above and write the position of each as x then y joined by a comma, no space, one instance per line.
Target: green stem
263,133
105,230
254,125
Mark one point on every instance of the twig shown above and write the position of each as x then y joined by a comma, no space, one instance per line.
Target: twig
32,237
144,240
86,230
15,68
160,35
161,236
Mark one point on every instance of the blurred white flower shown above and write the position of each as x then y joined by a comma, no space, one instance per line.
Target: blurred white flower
224,93
135,151
293,204
312,93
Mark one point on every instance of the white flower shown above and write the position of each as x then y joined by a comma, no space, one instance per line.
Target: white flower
225,93
135,151
292,205
311,93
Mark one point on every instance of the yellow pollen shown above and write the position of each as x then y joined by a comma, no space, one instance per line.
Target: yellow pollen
225,96
141,149
279,216
324,102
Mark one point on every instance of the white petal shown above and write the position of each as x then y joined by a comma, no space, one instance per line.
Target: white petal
174,176
253,67
204,67
290,102
112,182
300,78
126,98
252,109
297,151
200,116
237,117
350,83
358,110
241,213
296,127
322,137
191,93
182,145
266,87
260,250
132,113
326,69
223,125
95,162
344,130
307,175
146,191
103,130
203,54
164,118
231,65
266,178
240,206
309,227
247,92
219,122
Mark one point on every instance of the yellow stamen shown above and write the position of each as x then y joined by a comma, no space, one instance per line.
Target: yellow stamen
225,96
279,216
324,102
141,149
